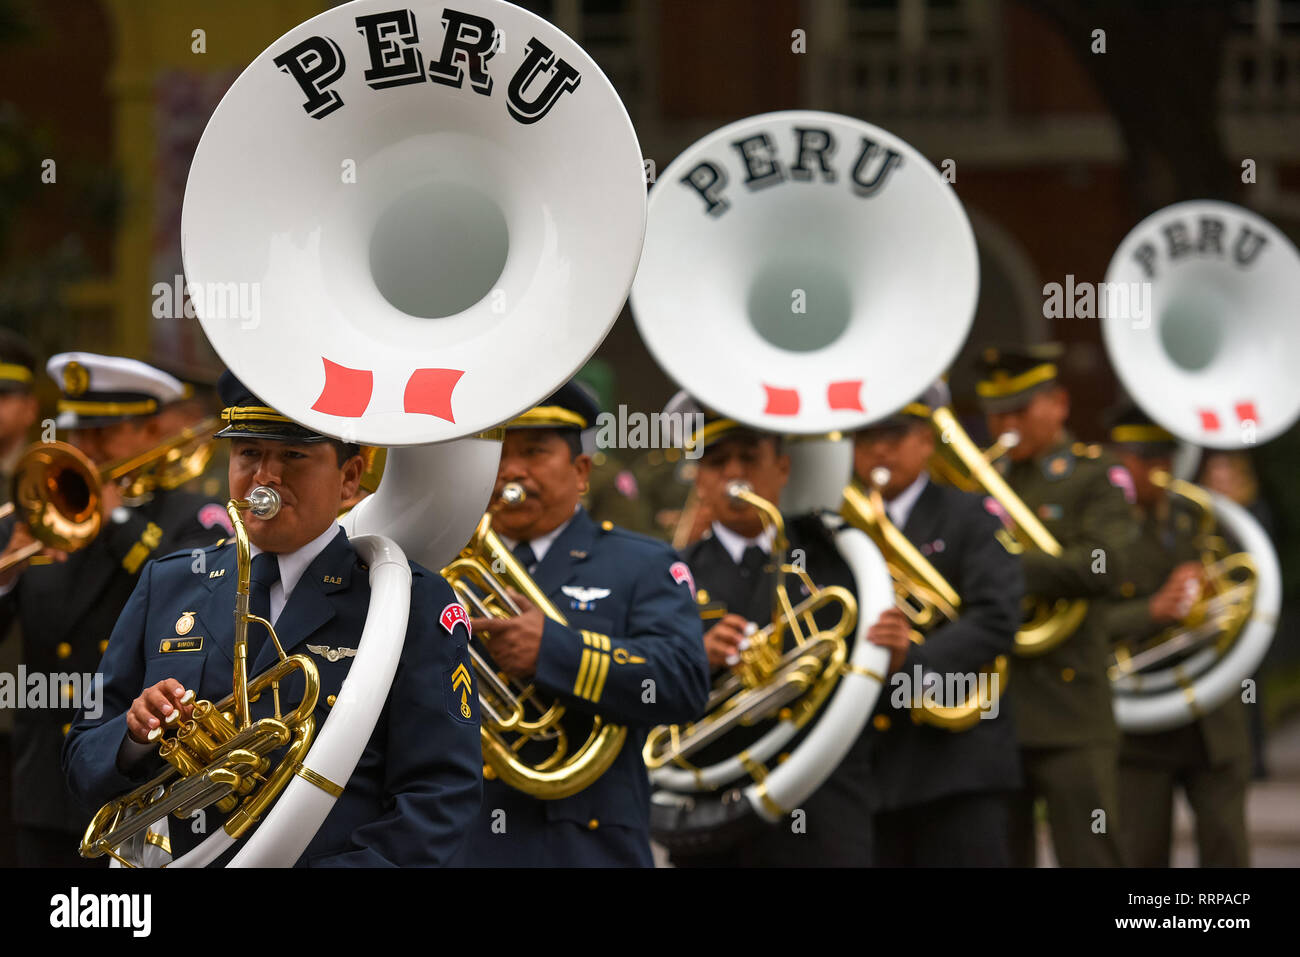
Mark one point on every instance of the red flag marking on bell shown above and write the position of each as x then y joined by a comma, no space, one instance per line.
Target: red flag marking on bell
1209,420
347,391
845,395
1246,412
781,401
428,392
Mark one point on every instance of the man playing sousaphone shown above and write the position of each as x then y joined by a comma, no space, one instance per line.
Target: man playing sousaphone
940,795
735,574
1210,757
630,653
418,782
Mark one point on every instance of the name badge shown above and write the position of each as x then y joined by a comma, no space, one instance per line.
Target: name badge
171,645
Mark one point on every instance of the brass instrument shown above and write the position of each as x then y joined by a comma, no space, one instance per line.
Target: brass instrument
959,462
220,755
57,489
525,739
1224,600
785,672
922,594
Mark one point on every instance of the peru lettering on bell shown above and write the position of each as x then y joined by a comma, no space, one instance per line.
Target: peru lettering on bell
811,159
394,58
1200,237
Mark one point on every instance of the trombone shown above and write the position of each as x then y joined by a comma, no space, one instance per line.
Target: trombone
57,490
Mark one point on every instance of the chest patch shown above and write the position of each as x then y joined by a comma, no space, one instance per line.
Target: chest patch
172,645
583,598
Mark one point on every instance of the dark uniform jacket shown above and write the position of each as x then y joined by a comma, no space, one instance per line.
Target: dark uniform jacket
837,814
1063,697
635,656
66,612
914,763
1162,544
418,783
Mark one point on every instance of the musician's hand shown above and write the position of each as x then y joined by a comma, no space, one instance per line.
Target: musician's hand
515,642
154,706
20,539
892,630
110,499
1177,595
722,641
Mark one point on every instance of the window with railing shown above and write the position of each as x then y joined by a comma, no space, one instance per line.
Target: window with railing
1261,69
925,58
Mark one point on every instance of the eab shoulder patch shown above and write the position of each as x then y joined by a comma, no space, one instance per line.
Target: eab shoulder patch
453,615
1122,480
681,572
459,692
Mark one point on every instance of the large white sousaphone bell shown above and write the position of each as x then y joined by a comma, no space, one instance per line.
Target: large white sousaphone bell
1206,342
441,211
804,273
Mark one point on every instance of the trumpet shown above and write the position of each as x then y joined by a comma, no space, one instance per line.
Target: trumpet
921,592
58,491
525,739
959,461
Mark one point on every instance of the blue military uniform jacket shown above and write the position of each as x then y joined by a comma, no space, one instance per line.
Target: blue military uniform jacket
418,783
634,656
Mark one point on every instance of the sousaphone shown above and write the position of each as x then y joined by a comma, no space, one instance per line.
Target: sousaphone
1200,330
804,273
441,211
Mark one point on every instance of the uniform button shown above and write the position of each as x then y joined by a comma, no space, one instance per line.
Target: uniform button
881,722
66,729
330,700
702,596
1067,674
63,650
607,526
593,824
488,773
103,646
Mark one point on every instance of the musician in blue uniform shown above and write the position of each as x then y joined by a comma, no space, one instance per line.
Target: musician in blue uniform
111,409
940,795
418,783
631,652
736,576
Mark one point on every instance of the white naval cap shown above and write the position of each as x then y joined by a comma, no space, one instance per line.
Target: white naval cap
101,390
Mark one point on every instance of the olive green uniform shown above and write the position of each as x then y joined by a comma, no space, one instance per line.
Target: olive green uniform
1210,758
1064,718
614,495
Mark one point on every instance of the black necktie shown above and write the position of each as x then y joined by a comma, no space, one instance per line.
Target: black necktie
265,573
525,555
754,560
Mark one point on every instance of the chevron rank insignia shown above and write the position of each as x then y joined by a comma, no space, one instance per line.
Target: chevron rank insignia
584,599
332,654
462,701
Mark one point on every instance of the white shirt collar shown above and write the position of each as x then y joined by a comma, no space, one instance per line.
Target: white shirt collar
292,565
736,544
542,544
901,506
